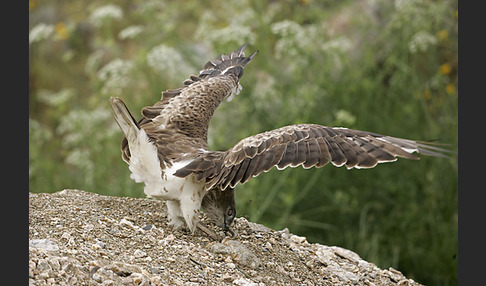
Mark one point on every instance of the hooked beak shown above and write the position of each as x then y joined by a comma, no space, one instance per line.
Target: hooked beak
227,226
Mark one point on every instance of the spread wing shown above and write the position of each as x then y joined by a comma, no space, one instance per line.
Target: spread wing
306,145
233,62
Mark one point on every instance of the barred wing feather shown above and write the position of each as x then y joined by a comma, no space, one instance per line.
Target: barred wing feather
306,145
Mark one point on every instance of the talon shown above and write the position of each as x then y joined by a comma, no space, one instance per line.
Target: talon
208,232
231,232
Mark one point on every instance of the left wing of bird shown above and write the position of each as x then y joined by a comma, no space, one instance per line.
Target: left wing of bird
306,145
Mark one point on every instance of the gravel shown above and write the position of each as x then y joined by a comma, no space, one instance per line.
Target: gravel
82,238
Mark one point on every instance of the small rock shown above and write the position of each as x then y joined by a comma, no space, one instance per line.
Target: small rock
268,245
281,270
256,227
43,275
42,265
239,252
120,267
128,224
32,265
108,282
46,244
102,274
127,281
156,280
228,277
298,239
244,282
147,227
170,237
137,278
139,253
231,265
55,265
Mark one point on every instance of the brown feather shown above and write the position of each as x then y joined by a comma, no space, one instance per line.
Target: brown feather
307,145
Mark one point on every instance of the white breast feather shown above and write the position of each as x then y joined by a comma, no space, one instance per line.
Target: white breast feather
145,168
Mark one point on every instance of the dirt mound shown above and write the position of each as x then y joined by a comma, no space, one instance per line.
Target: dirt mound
82,238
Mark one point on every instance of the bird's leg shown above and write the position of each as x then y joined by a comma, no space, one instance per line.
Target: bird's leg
175,214
190,210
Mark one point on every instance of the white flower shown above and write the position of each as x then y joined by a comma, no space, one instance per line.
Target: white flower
344,118
38,133
295,39
236,29
81,158
55,98
406,4
79,124
93,61
166,59
286,28
421,41
232,33
342,44
106,12
115,76
40,32
130,32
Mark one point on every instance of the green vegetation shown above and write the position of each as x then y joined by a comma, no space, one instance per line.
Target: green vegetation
384,66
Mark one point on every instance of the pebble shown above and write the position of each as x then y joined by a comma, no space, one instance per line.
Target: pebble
139,253
46,244
244,282
43,265
239,252
298,239
231,265
170,237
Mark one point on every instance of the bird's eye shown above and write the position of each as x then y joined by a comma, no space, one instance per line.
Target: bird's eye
230,212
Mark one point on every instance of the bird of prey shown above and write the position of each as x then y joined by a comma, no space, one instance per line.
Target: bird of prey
167,148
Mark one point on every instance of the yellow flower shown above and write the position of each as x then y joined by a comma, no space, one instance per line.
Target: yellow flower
426,94
445,69
61,31
442,35
450,88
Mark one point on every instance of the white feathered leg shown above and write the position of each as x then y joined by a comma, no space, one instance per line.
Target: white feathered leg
175,214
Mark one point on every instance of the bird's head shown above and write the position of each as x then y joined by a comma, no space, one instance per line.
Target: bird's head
220,207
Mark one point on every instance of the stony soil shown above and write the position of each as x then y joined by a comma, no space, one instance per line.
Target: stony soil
82,238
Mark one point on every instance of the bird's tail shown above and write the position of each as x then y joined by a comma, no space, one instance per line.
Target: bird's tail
124,119
232,63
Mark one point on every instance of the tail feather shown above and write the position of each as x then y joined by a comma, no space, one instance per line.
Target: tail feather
124,118
233,63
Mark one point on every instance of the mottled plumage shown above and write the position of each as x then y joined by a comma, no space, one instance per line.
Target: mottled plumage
167,148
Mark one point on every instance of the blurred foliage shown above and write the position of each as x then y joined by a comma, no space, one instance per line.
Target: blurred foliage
383,66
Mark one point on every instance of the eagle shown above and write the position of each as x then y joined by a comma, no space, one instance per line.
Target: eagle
167,148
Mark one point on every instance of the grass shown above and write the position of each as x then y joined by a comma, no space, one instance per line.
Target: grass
385,67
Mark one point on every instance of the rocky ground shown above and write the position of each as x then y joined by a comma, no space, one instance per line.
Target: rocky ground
82,238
